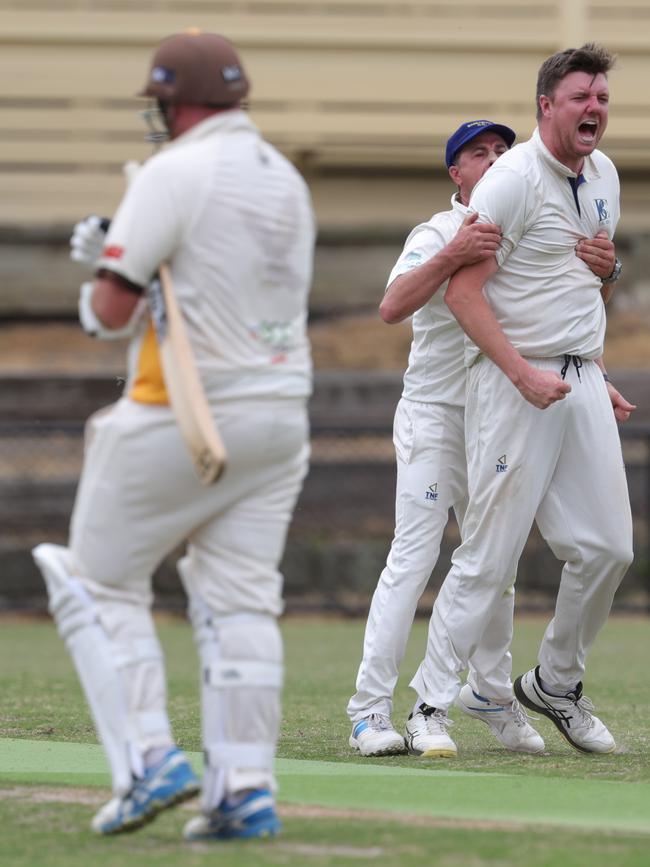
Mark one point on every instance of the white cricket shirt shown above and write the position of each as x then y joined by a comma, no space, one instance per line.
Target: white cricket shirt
435,372
233,218
545,298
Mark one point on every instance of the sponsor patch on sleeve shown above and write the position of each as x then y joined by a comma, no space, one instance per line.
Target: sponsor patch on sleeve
113,251
411,260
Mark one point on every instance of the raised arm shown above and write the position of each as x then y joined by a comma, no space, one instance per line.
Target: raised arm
465,299
407,293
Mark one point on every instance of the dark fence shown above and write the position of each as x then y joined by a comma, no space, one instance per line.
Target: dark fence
344,519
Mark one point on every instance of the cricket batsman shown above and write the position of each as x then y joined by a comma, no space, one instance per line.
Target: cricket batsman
231,220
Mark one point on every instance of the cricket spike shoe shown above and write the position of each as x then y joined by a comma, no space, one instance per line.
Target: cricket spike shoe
426,734
571,714
374,735
237,819
508,722
169,782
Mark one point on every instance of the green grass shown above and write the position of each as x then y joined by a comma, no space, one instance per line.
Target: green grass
323,658
41,697
41,701
62,841
54,835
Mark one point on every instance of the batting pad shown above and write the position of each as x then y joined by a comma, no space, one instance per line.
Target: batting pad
242,673
96,661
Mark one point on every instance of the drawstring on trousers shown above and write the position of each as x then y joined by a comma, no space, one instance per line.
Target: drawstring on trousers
577,363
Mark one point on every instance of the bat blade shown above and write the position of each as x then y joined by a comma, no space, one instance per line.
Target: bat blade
183,384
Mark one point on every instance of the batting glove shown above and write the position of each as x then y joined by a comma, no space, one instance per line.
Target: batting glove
87,241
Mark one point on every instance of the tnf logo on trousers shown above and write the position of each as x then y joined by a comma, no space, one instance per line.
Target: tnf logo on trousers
432,493
502,464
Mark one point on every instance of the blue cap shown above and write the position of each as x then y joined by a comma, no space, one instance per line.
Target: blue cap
467,131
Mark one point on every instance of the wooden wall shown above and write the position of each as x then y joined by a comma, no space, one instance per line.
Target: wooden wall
361,94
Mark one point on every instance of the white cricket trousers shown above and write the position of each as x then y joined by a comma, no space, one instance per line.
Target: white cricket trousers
562,466
139,498
429,444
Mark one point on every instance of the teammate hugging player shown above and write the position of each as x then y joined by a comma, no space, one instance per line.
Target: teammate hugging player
432,474
542,441
233,220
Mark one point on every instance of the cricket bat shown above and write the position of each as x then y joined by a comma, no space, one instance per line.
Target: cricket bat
186,395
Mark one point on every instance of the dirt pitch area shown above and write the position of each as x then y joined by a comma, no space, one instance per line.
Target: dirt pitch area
95,798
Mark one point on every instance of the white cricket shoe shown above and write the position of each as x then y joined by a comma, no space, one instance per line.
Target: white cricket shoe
374,735
426,734
571,714
508,721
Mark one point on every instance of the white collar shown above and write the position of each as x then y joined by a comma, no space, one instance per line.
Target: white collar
227,121
589,169
457,205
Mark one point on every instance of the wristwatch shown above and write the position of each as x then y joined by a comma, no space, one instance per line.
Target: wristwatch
616,273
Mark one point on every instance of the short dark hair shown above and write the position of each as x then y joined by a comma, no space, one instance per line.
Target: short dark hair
591,57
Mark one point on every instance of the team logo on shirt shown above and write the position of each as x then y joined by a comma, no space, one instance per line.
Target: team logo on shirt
412,260
432,493
603,211
278,336
502,464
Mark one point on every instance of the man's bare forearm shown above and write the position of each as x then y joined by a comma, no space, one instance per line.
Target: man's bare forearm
474,242
411,291
465,299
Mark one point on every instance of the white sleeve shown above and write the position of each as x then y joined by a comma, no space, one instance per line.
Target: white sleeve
424,242
147,227
507,199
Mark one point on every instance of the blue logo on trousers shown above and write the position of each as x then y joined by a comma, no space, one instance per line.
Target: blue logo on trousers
432,493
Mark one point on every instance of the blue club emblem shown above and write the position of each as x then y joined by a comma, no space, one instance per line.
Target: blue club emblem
603,213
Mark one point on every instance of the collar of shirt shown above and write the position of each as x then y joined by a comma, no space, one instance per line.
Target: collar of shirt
227,121
457,205
589,169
